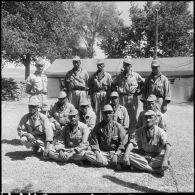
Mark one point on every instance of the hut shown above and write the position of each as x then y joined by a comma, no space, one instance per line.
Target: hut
179,71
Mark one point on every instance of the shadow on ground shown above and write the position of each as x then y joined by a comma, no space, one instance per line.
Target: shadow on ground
14,142
19,155
26,189
131,185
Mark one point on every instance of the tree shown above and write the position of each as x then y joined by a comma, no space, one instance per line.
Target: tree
37,28
175,27
93,20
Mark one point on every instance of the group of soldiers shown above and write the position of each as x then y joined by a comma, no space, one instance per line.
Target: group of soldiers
95,119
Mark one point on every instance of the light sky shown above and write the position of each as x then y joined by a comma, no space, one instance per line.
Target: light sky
123,6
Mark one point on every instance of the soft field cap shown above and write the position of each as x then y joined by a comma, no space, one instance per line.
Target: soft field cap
34,101
76,58
73,112
155,63
100,61
127,61
62,94
150,113
151,98
40,62
107,108
114,94
84,102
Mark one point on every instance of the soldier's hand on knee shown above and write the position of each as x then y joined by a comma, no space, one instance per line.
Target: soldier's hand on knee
114,160
165,165
126,160
99,158
30,137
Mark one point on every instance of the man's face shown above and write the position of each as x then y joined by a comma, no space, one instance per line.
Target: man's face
32,109
40,68
76,64
114,100
74,119
84,109
107,115
62,101
151,105
127,67
155,70
150,120
100,67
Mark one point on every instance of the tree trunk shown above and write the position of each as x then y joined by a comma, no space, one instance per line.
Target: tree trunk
27,65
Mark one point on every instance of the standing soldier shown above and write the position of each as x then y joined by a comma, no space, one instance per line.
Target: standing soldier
87,115
120,112
128,84
157,84
76,81
37,82
35,129
100,87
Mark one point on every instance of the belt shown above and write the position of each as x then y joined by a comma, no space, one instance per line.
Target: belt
80,89
123,93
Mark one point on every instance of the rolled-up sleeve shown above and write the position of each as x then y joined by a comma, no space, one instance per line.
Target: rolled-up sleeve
167,91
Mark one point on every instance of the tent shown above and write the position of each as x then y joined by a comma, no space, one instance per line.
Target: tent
179,70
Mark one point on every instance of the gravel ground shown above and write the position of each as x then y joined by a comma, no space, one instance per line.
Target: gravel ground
23,172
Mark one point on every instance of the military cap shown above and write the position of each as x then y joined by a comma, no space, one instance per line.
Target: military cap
151,98
73,112
107,108
62,94
100,61
76,58
127,61
155,63
40,62
34,101
45,106
114,94
84,102
149,113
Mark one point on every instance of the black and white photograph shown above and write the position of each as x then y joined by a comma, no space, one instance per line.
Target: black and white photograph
97,97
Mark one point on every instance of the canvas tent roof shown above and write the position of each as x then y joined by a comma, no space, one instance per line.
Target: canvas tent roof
172,66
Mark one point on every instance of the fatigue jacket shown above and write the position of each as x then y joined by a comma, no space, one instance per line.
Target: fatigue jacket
38,126
159,87
108,136
36,84
60,113
101,85
160,120
76,80
128,84
121,116
154,143
89,119
77,137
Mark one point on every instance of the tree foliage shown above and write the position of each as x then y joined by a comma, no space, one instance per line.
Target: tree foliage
175,28
37,28
93,20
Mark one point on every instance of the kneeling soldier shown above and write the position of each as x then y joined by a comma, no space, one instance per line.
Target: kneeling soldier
153,147
73,141
106,141
35,129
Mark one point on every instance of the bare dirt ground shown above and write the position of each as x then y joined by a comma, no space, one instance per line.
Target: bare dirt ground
23,172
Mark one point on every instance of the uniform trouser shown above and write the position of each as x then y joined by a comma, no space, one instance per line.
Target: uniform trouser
54,154
42,98
139,161
99,100
130,102
39,143
75,96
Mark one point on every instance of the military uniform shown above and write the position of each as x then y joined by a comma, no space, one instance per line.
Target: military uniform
159,86
76,83
39,126
100,86
36,84
70,140
151,148
126,86
106,138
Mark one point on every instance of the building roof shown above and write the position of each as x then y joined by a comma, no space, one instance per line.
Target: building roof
170,66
